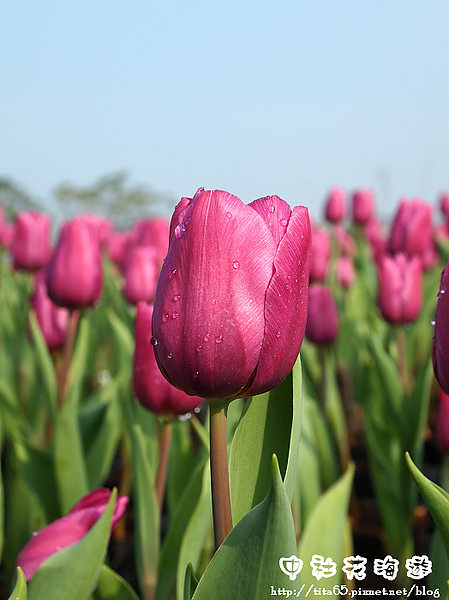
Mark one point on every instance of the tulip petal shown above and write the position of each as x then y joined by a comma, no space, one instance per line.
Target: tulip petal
286,304
210,299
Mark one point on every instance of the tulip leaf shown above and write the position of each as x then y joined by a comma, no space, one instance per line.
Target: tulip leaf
436,499
111,586
46,366
190,583
73,572
146,513
326,529
270,424
20,589
246,565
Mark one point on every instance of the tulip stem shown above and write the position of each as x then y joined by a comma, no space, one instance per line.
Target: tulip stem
164,453
221,499
402,358
67,355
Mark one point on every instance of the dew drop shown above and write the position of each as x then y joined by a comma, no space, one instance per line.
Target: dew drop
165,318
170,355
156,381
185,417
236,264
175,315
199,348
172,273
212,301
180,230
219,339
153,341
283,222
271,209
197,410
250,300
432,323
176,298
278,334
229,215
206,338
196,375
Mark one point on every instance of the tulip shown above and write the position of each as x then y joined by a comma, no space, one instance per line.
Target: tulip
53,320
412,232
321,254
102,226
442,425
30,246
322,321
335,210
444,205
153,232
362,206
118,246
68,530
374,234
231,301
141,273
75,273
152,390
345,271
440,352
400,288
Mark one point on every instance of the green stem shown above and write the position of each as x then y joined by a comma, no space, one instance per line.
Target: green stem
221,499
402,358
67,355
164,453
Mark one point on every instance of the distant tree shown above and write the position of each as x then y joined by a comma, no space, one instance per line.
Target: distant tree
111,196
14,200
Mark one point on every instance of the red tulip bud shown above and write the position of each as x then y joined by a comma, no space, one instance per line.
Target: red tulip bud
30,245
335,210
412,232
141,273
322,321
321,254
362,206
53,320
400,288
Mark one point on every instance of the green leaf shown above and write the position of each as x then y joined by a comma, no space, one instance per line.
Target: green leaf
190,583
20,589
436,499
111,586
270,424
72,573
247,563
325,530
46,367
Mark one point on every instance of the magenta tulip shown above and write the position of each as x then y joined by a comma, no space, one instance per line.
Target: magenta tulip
53,320
68,530
153,232
141,273
400,288
362,206
412,231
75,272
345,271
321,254
442,424
152,390
30,246
440,354
323,320
231,301
335,210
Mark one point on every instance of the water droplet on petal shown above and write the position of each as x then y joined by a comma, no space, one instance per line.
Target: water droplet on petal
172,273
271,209
196,375
197,410
206,338
212,301
283,222
175,315
278,334
236,264
176,298
170,355
180,230
185,417
153,341
219,339
432,323
165,318
229,215
199,348
250,300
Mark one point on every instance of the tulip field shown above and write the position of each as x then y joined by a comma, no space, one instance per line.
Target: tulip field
239,403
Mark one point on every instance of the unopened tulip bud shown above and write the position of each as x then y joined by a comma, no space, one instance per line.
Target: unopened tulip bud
30,245
442,425
141,273
321,254
335,210
345,271
362,206
323,320
400,288
440,354
412,231
53,320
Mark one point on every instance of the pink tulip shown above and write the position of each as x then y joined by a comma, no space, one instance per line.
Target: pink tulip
362,206
68,530
322,321
153,232
141,273
412,232
345,271
321,254
152,390
53,320
335,210
440,353
376,238
400,288
231,301
102,226
30,246
75,272
442,425
344,240
444,205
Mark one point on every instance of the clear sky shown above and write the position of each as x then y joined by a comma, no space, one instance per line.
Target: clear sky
286,97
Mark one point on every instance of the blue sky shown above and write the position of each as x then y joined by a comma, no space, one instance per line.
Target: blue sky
287,97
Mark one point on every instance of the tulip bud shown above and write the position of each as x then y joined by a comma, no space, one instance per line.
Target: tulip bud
321,254
75,272
141,273
153,232
152,390
68,530
335,210
345,271
30,245
53,320
231,300
442,425
400,288
322,321
362,206
440,353
412,232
